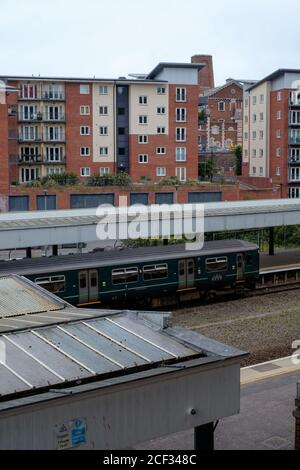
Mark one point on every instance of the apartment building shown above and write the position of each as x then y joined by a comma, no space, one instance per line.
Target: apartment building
146,125
272,131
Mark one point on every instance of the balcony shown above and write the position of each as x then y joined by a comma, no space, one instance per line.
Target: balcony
25,159
53,96
59,138
294,139
30,138
61,161
294,124
294,102
40,117
294,160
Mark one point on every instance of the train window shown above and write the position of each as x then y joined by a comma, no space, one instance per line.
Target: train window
83,281
214,265
125,276
94,279
191,267
155,272
250,260
55,284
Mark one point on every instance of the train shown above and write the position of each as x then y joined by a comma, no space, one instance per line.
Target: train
153,276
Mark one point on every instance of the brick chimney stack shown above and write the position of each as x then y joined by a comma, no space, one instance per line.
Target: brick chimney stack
206,75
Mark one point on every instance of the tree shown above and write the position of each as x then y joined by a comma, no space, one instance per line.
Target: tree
239,160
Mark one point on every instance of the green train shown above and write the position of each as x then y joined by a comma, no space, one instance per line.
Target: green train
156,277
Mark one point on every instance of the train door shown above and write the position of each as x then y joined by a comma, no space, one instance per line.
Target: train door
240,262
88,286
186,274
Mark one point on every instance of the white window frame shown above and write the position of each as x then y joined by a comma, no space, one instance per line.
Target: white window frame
278,152
161,90
84,87
161,110
103,90
143,100
181,134
104,171
85,130
85,110
180,154
181,95
181,173
278,115
278,133
160,173
181,114
143,139
143,120
161,130
103,110
221,104
103,151
103,131
85,151
143,159
278,171
85,172
161,151
279,96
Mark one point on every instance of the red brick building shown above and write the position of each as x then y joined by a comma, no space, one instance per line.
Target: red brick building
146,126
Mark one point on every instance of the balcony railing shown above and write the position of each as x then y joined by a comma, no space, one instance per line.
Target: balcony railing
30,138
294,124
294,159
25,159
40,117
62,161
54,138
294,102
53,96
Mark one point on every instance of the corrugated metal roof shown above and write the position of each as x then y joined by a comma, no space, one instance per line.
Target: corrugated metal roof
17,298
111,258
81,351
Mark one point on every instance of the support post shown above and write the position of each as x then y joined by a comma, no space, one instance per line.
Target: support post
28,252
272,242
204,438
55,250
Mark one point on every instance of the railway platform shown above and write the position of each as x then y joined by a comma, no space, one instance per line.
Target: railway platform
282,258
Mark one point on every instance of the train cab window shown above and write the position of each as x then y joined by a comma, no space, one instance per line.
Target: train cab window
215,265
250,260
125,276
55,284
155,272
83,281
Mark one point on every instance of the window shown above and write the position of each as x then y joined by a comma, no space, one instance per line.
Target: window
254,153
261,171
261,117
254,171
161,150
103,90
104,171
143,159
261,99
143,139
122,151
103,130
84,110
121,131
246,119
216,265
143,119
254,100
161,90
29,174
246,103
160,171
278,171
29,91
85,152
155,272
181,173
246,153
278,115
103,110
181,134
254,135
85,172
55,154
261,153
221,106
125,276
254,118
103,151
181,114
246,135
278,133
161,130
261,135
143,100
180,94
161,110
121,111
278,152
54,284
279,96
84,130
180,154
84,89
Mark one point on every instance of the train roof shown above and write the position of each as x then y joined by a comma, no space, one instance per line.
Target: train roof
118,258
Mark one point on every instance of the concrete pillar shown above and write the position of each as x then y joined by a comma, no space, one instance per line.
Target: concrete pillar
272,242
28,252
55,250
204,438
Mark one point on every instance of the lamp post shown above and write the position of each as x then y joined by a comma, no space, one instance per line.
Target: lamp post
45,199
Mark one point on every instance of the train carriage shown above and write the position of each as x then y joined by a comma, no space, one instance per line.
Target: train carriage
154,276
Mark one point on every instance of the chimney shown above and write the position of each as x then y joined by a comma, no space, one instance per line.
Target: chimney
206,75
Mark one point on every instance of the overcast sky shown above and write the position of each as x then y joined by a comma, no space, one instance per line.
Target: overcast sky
112,38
